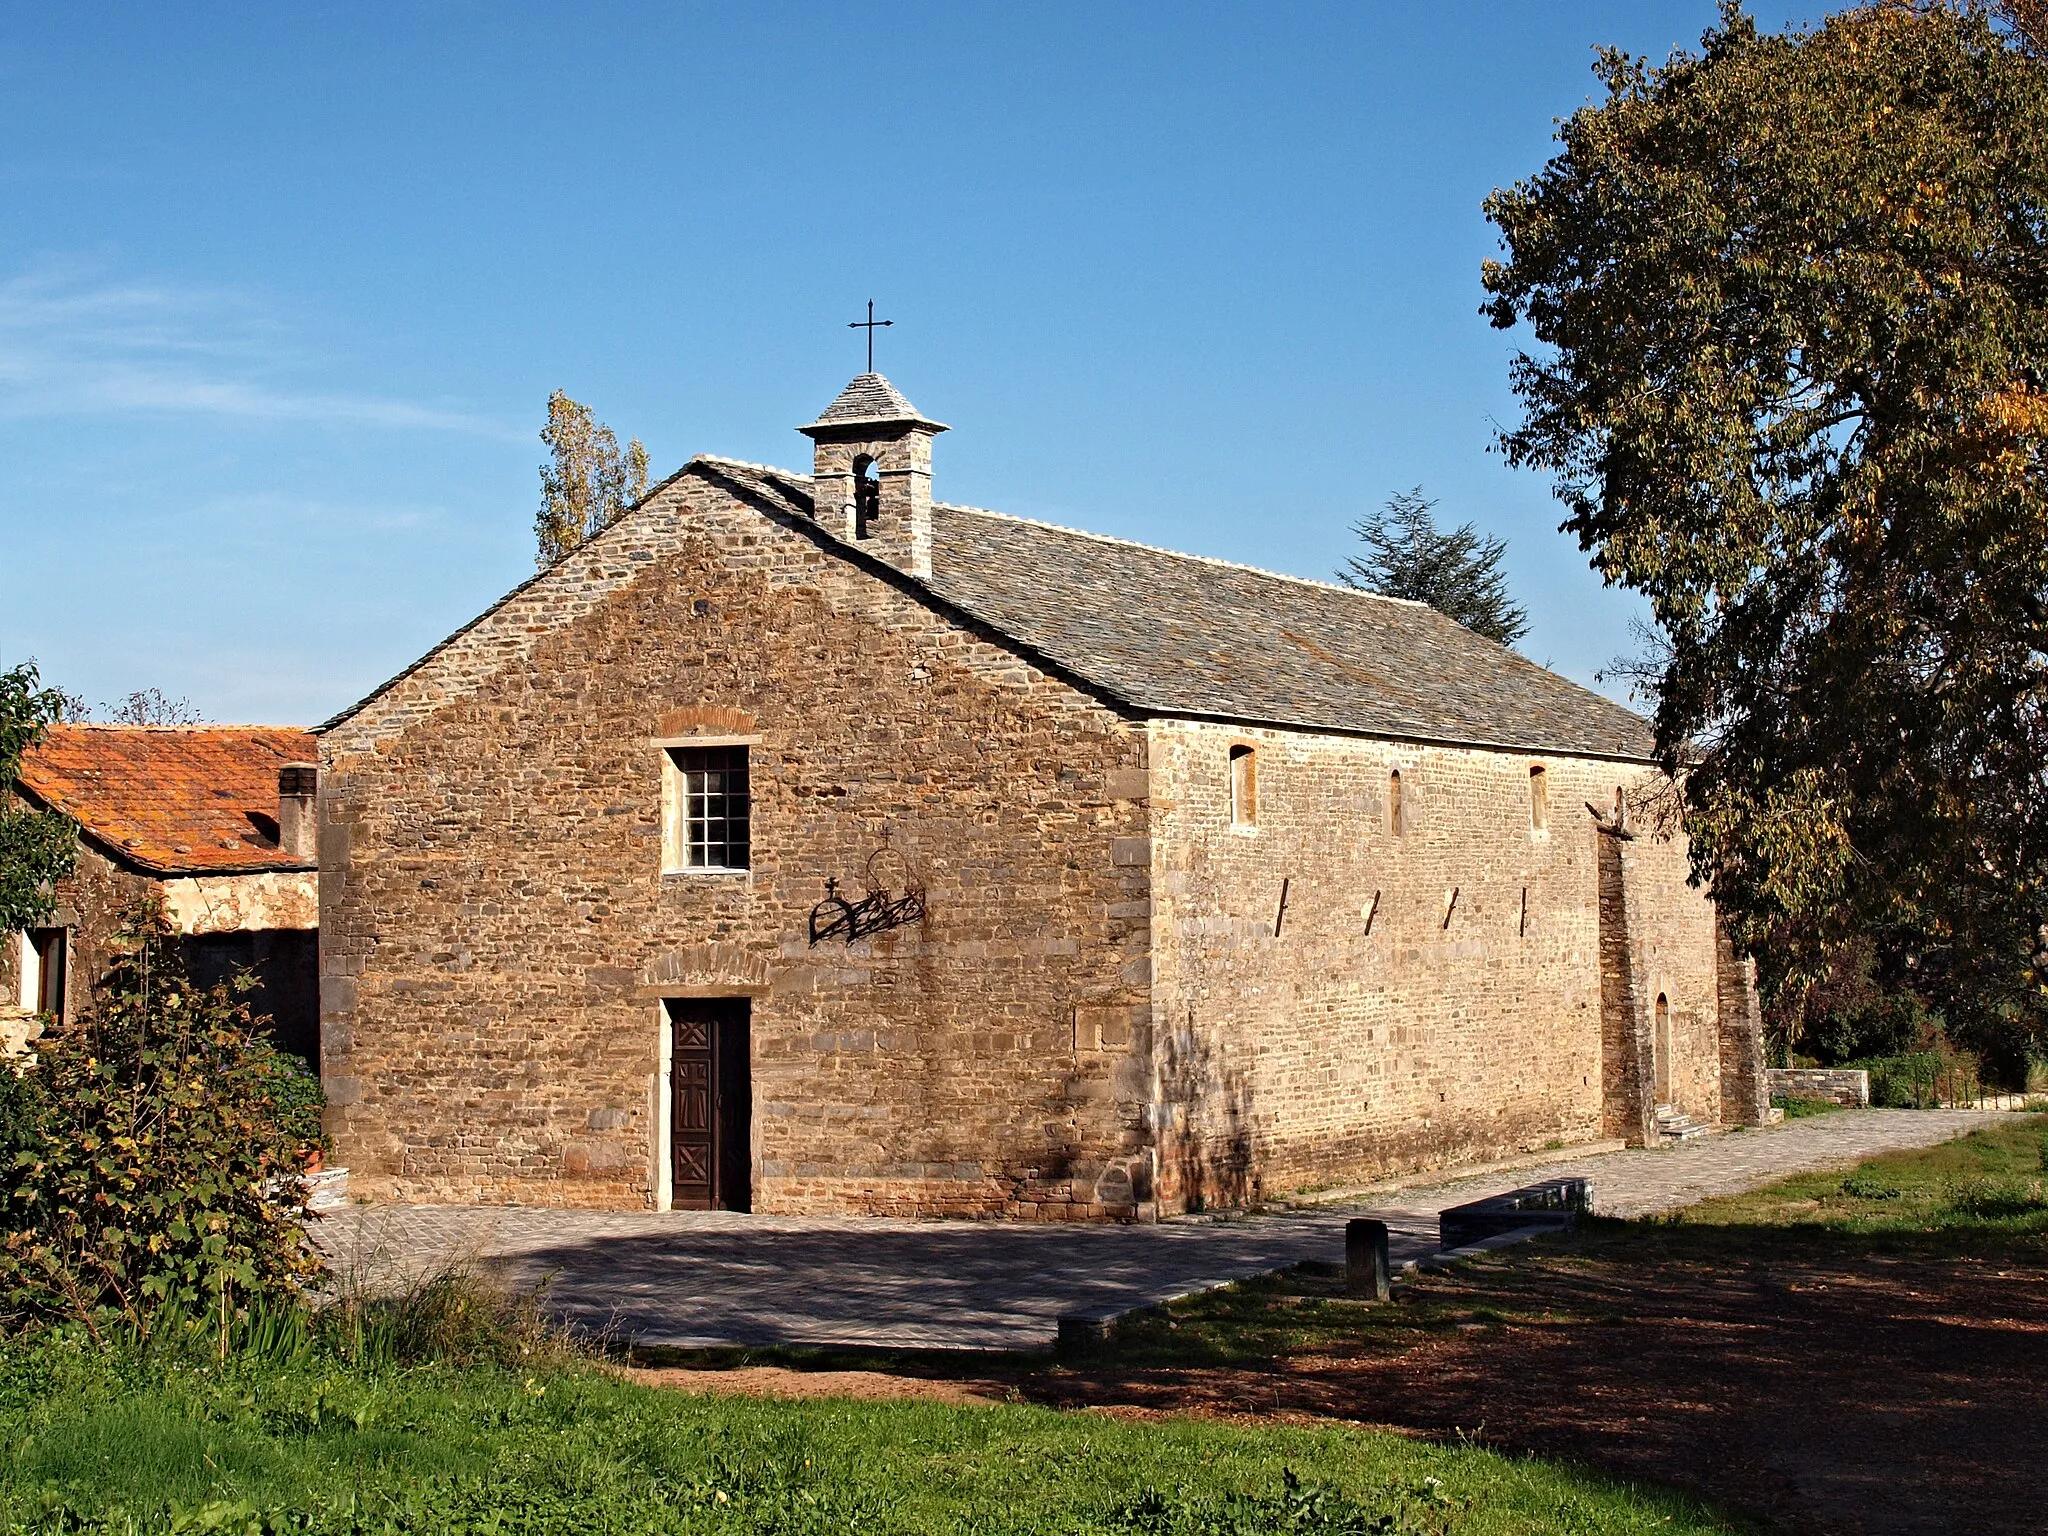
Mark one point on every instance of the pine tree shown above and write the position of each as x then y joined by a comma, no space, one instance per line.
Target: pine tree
587,485
1457,573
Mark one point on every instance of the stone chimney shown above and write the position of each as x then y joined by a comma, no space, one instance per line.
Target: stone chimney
298,811
872,457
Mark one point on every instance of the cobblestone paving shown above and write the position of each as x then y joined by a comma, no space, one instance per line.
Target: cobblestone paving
700,1278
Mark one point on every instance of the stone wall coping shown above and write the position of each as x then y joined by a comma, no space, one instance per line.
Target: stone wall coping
1843,1085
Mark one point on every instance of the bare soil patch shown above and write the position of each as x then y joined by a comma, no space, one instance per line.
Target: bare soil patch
1815,1386
784,1381
1850,1393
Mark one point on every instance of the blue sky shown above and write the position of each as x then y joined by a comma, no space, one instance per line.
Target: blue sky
284,288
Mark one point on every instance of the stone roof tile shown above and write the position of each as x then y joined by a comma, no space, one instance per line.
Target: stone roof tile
869,398
1177,634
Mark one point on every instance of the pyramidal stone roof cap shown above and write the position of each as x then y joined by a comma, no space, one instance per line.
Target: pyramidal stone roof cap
870,400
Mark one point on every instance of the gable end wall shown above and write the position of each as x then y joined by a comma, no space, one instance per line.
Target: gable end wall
497,932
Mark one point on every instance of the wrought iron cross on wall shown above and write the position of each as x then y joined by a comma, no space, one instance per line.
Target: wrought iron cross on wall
837,918
869,325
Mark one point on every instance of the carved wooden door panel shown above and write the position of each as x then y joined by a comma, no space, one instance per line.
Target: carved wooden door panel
710,1108
690,1119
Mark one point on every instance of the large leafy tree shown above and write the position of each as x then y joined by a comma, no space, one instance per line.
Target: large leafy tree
587,483
36,847
1455,571
1790,295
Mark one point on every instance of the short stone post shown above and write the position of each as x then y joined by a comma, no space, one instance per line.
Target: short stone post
1367,1271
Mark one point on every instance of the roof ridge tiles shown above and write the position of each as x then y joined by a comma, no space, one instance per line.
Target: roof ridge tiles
1100,538
726,458
1180,554
196,727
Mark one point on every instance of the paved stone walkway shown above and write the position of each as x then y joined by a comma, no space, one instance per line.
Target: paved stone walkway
703,1278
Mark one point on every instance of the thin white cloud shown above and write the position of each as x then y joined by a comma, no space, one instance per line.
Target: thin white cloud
74,344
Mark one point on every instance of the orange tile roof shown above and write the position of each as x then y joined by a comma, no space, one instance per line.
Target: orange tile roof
174,800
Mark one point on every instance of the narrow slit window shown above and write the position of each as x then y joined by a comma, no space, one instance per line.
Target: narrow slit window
1394,806
1244,786
709,810
1539,798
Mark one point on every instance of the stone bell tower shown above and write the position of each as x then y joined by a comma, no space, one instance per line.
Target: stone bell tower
872,457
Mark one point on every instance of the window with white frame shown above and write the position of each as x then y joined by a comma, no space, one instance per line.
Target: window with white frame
44,961
707,809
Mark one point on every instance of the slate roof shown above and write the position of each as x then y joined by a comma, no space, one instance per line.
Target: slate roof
1174,634
172,800
869,398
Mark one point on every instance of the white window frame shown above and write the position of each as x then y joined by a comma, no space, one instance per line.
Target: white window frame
675,851
28,970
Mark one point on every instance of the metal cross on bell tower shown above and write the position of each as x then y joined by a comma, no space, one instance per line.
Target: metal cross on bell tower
869,326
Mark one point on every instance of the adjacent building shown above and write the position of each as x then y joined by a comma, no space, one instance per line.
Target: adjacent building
216,821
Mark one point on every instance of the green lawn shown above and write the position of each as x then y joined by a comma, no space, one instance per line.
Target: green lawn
96,1446
312,1446
1990,1186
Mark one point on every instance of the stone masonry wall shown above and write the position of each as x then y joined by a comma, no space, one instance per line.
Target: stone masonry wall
1425,998
1674,941
89,902
258,909
497,931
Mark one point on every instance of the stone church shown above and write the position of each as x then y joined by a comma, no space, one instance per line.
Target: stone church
803,843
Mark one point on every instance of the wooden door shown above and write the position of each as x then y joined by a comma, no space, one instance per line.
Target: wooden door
711,1104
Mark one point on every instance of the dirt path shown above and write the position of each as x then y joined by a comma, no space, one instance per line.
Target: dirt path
780,1381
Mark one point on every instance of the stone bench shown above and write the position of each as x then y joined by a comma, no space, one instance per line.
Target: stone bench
1556,1204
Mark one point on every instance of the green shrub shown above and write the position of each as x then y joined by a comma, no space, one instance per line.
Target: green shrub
164,1182
1996,1198
21,1111
293,1091
1905,1081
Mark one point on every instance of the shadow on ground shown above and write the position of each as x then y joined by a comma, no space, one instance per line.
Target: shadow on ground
1819,1385
932,1285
